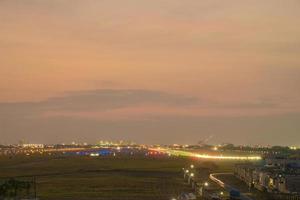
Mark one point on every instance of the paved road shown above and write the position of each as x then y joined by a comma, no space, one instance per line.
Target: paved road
227,187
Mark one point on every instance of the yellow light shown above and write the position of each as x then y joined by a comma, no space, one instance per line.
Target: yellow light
205,156
192,166
206,184
192,175
293,148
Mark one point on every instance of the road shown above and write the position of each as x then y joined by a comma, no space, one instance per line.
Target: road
227,187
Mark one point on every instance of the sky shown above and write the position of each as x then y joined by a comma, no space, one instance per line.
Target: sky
159,71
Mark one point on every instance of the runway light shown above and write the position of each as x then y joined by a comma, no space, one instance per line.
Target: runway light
94,154
205,156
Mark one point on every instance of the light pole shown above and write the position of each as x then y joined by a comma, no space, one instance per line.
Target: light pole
202,189
191,176
206,184
222,195
186,172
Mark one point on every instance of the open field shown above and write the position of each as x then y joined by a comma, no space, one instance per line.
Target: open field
80,177
107,177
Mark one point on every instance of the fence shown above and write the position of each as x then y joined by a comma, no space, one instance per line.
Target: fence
18,188
285,197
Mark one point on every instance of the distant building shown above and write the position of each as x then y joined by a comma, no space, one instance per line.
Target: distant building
276,176
245,173
289,184
38,146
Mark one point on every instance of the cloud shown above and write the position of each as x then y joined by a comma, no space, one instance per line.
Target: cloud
116,104
141,115
96,100
256,104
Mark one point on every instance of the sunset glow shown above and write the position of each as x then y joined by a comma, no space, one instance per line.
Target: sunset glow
150,70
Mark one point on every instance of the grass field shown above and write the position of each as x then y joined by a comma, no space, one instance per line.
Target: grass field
123,177
81,177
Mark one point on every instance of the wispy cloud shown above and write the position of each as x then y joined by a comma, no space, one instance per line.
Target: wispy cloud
96,101
94,114
115,104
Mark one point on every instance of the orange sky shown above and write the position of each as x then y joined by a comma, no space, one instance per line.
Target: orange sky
238,58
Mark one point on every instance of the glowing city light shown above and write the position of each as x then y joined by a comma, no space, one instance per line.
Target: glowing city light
204,156
94,154
215,148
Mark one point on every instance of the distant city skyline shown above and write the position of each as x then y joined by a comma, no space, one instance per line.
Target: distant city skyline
165,71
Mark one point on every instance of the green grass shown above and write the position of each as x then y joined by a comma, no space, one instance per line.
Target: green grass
80,177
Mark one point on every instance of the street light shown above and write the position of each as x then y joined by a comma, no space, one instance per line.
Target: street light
192,175
192,166
187,171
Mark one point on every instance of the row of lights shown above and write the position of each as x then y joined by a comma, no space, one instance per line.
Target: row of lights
191,175
187,171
